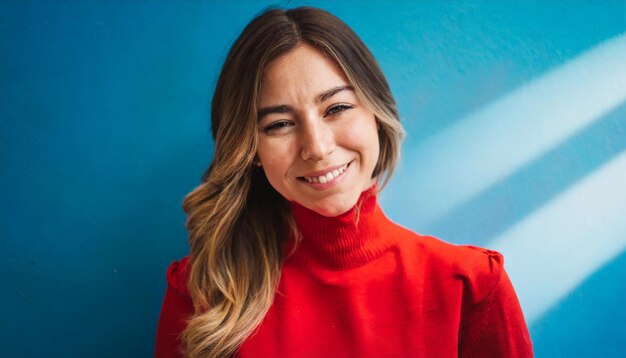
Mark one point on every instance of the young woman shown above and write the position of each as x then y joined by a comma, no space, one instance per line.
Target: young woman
291,256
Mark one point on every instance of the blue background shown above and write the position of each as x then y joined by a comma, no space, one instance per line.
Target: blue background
516,121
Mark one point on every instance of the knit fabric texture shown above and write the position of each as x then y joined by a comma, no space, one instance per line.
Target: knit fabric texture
359,285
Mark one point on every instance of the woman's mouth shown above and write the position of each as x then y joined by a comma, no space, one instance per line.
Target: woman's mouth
327,177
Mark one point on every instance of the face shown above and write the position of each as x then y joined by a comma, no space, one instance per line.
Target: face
318,144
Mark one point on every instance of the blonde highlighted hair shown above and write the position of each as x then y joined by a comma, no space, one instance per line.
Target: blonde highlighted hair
238,224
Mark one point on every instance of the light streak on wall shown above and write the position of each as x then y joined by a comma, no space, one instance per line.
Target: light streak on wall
553,250
465,159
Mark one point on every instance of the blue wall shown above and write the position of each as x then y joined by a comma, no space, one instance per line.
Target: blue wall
516,114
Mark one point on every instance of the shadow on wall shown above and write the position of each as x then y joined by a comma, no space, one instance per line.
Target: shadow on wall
513,198
457,165
584,324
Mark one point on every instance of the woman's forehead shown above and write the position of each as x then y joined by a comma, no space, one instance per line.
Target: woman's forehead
304,72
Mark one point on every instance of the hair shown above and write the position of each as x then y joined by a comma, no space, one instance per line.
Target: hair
238,224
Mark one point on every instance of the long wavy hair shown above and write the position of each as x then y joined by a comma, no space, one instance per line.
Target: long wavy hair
238,224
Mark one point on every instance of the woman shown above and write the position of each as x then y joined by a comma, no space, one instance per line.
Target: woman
291,256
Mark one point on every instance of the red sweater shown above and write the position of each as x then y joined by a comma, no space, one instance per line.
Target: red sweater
373,289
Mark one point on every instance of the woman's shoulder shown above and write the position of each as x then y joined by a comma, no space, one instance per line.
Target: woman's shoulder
446,251
478,269
459,256
177,275
176,309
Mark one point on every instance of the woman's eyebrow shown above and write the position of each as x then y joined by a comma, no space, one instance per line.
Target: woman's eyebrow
331,92
283,108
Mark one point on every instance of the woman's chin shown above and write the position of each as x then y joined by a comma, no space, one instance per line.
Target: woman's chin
332,212
332,207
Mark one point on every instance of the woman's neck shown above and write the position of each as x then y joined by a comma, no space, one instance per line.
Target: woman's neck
348,240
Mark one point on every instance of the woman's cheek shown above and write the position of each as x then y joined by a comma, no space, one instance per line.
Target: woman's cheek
276,157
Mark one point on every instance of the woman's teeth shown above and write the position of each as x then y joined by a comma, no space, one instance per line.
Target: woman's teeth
328,176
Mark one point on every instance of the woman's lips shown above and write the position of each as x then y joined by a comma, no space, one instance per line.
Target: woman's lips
327,178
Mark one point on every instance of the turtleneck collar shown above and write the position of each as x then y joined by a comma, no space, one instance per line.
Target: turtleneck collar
348,240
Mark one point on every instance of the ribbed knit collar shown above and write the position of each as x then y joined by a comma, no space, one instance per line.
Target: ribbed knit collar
348,240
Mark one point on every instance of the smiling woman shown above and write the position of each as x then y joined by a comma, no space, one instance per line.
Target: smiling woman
291,255
318,143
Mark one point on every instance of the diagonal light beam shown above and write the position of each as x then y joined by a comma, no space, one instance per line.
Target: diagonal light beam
459,163
553,250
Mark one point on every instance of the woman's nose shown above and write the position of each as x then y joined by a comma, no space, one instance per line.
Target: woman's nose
317,140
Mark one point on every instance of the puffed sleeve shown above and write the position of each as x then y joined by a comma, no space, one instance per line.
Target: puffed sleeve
177,308
492,322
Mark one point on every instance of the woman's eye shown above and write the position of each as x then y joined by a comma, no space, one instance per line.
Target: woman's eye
338,109
276,126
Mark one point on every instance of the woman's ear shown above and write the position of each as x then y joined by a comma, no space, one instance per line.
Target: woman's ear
256,161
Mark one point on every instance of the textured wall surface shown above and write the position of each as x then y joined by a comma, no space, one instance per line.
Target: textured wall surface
516,121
